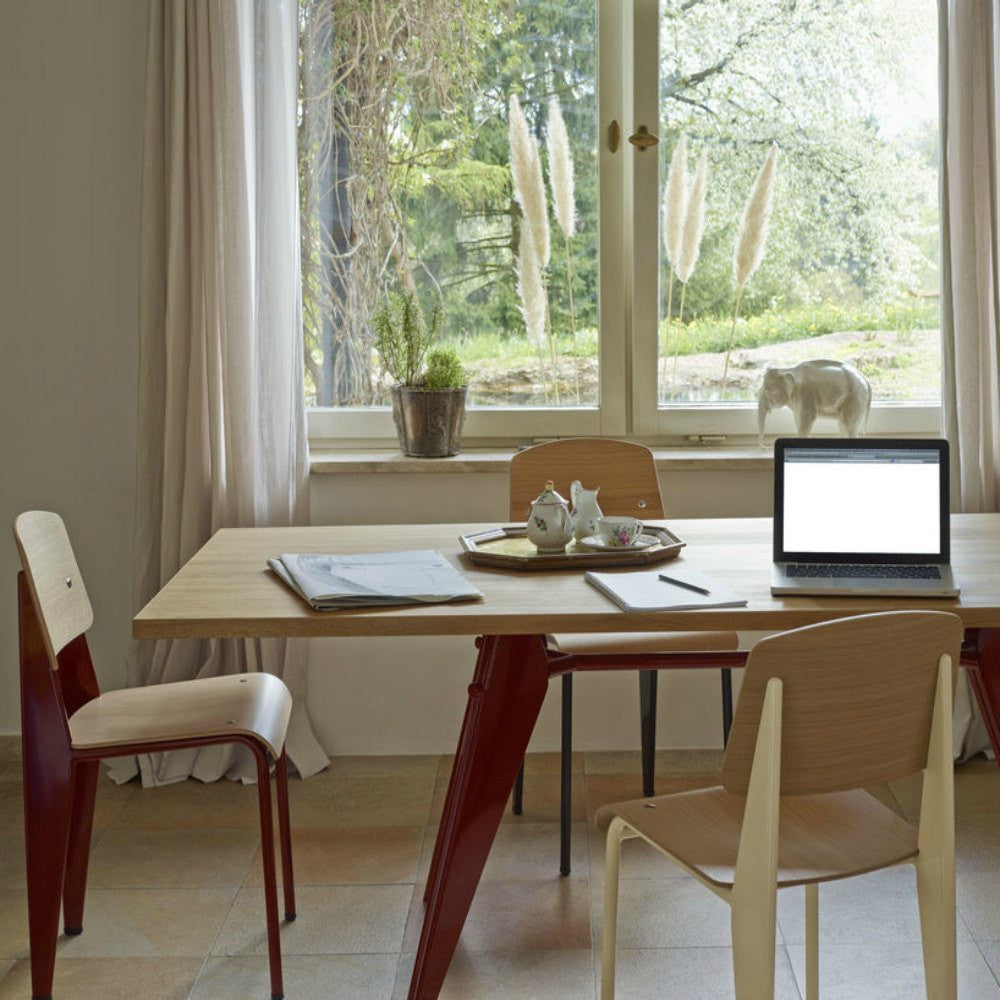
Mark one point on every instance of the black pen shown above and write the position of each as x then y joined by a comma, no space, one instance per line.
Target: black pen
684,584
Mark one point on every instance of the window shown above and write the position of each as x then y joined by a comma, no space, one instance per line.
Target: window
406,187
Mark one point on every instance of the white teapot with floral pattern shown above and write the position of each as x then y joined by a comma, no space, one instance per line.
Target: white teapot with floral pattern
550,524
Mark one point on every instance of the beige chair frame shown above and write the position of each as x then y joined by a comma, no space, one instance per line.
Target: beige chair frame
752,893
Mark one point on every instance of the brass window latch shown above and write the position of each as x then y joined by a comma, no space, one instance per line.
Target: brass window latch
642,138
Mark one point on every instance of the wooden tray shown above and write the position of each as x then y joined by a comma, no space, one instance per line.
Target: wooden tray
508,548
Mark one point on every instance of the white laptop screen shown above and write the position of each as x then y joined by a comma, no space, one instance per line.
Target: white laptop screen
851,501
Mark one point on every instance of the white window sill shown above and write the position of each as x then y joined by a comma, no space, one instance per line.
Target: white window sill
331,462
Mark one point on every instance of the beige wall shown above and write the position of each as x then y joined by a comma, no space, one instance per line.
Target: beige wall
71,95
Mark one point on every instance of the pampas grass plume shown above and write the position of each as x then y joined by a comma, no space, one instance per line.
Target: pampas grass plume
675,202
530,289
529,187
749,249
694,222
561,171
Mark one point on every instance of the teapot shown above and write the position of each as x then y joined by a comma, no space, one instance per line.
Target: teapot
585,510
550,524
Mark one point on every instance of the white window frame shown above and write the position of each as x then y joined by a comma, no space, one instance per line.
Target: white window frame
628,33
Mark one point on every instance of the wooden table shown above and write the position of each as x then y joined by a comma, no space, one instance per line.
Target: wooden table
226,591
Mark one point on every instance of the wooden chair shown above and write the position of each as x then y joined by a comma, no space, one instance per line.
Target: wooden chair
626,474
67,726
824,711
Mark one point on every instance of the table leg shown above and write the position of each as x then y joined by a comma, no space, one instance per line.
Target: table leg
505,696
983,663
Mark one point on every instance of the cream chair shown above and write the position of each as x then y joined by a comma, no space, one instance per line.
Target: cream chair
825,711
626,475
68,726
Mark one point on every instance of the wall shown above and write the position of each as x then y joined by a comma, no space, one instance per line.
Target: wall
71,97
408,695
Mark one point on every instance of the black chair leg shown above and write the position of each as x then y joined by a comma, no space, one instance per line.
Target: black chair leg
566,774
647,714
727,703
517,807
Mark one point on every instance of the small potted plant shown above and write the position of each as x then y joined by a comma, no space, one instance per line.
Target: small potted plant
428,398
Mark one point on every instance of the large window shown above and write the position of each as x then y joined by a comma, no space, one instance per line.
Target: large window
407,187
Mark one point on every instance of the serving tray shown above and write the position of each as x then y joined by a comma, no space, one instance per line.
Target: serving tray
507,547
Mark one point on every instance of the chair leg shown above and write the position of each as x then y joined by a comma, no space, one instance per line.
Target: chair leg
270,886
727,703
566,774
47,812
285,833
812,941
753,948
517,806
609,942
85,775
936,898
647,729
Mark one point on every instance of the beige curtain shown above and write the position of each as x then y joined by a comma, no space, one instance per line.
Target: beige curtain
970,321
221,409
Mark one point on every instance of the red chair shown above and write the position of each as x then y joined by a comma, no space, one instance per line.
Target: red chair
68,726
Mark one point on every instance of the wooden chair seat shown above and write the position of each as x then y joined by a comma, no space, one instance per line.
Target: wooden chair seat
820,837
643,642
255,705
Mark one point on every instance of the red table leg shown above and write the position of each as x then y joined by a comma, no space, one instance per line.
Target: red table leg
981,656
505,696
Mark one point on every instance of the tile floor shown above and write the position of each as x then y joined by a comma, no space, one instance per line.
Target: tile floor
174,907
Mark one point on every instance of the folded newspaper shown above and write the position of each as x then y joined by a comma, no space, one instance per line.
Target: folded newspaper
372,579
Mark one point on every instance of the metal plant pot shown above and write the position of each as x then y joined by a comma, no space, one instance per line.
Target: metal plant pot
428,421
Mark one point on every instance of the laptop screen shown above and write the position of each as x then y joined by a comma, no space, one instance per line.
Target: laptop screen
847,500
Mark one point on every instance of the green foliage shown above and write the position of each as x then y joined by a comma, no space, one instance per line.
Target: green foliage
444,371
403,336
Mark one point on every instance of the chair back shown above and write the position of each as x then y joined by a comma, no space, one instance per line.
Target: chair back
625,472
57,590
857,701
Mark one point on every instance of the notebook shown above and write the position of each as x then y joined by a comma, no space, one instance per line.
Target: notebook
862,517
648,591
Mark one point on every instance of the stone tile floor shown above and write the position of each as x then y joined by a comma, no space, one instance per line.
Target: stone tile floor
174,907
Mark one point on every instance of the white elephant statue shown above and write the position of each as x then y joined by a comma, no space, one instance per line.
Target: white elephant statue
816,389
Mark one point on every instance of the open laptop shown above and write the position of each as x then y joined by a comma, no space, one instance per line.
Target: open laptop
861,517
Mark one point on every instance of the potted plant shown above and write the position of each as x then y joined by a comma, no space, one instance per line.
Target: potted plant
428,398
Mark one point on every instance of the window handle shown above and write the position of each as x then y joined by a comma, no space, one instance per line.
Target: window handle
643,138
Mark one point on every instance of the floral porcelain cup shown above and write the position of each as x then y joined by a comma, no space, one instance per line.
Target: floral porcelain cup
550,524
619,532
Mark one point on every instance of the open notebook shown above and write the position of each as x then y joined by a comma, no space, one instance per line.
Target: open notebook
372,579
646,591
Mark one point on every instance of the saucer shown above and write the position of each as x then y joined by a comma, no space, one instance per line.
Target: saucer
596,542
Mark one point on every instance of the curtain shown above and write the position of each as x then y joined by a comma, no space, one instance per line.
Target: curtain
970,323
221,423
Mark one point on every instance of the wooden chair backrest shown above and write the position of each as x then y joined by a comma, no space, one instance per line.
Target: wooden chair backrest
57,589
858,697
625,472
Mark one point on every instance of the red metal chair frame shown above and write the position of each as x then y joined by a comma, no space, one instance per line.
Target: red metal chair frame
60,785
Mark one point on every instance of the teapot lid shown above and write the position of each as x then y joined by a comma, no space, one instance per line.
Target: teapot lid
549,495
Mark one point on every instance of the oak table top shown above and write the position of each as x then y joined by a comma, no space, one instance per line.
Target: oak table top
226,590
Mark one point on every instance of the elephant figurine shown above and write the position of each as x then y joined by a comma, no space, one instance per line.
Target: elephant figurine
816,389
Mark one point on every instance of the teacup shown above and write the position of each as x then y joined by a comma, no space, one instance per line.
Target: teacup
619,532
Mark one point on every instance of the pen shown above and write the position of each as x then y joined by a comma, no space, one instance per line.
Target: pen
682,583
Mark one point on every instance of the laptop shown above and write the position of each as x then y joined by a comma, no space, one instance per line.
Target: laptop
861,517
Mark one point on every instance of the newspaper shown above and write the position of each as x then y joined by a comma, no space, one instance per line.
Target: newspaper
372,579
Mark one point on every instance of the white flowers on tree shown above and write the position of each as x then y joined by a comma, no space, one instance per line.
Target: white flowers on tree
674,215
749,249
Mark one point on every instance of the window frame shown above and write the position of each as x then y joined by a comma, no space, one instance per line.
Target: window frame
628,219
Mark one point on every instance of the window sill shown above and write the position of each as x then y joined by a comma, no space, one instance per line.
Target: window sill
332,462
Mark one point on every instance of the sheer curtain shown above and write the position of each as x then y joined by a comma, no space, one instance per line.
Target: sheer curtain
221,408
970,323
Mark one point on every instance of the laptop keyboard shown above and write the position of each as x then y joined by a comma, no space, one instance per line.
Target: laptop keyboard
864,570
